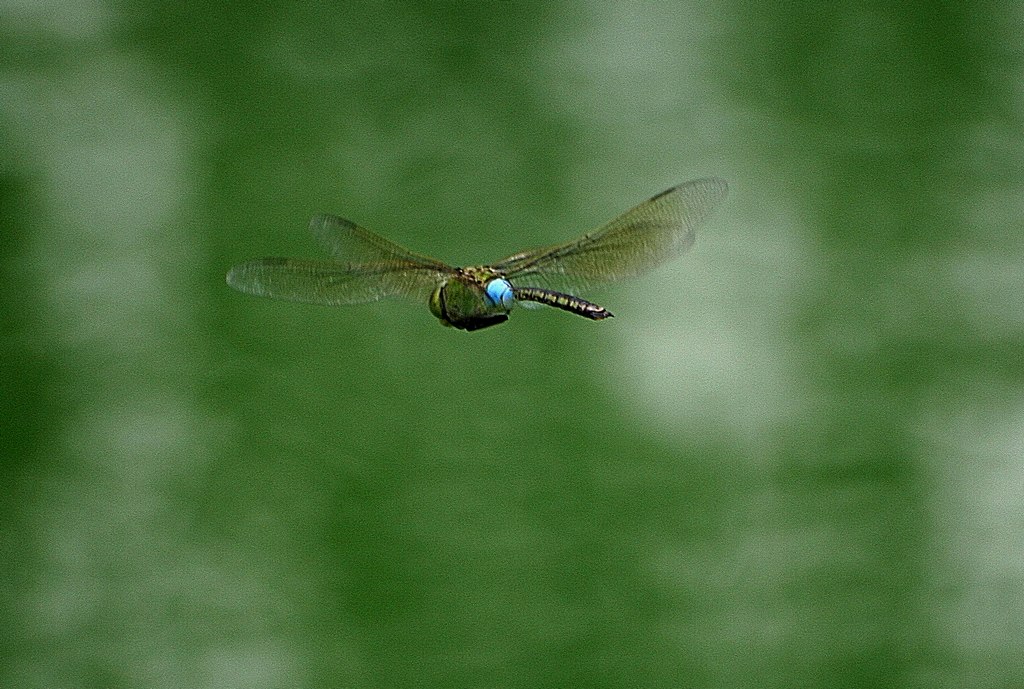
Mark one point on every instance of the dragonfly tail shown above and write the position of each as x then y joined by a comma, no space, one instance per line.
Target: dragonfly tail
566,302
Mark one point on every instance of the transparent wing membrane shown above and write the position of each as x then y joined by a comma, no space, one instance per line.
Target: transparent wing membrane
320,282
366,268
350,244
646,236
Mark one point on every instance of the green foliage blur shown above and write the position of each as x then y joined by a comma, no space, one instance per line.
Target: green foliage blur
795,458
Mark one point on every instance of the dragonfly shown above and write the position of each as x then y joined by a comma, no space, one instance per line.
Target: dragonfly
366,267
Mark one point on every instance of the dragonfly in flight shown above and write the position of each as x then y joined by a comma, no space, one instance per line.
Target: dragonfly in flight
366,267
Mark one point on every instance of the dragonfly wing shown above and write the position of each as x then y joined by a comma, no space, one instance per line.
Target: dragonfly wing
333,284
350,244
366,267
646,236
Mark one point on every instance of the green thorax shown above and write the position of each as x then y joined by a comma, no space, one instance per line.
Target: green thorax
462,301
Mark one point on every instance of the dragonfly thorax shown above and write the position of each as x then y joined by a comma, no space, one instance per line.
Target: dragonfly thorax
472,300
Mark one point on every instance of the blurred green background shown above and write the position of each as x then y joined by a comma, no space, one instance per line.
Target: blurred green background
795,458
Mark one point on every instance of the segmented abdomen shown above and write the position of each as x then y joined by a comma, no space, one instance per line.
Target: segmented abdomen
566,302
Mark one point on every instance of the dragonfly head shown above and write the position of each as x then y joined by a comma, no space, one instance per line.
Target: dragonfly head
499,291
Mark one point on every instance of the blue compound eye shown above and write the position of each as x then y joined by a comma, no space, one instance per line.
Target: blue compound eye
499,291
